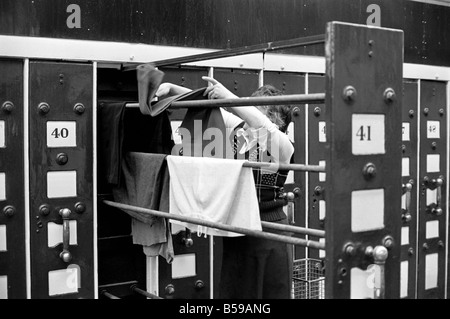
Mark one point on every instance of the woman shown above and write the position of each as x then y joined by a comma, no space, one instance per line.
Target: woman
255,268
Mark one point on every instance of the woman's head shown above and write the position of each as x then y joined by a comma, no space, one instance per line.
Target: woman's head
278,114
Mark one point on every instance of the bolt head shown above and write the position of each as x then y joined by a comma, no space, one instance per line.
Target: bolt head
9,211
44,209
438,211
79,108
170,289
199,284
317,111
389,95
368,251
388,242
369,170
7,107
188,242
318,190
80,208
62,158
349,93
350,250
44,108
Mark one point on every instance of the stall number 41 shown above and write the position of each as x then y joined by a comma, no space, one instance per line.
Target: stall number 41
364,133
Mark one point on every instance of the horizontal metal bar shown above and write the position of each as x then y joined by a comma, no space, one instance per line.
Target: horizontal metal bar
144,293
108,295
114,237
240,230
294,229
258,48
286,167
117,284
318,98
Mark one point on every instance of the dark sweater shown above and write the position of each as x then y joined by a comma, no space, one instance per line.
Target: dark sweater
269,185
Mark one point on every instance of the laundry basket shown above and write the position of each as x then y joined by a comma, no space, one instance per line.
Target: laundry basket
308,280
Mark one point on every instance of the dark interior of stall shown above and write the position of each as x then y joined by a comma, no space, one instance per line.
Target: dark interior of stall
122,264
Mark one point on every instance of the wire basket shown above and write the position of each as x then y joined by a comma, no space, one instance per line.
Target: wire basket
308,280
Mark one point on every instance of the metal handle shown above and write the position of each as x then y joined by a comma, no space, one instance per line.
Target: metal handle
65,255
380,254
290,198
438,210
406,216
435,184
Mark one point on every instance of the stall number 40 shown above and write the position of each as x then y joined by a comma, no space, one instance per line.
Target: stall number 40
63,133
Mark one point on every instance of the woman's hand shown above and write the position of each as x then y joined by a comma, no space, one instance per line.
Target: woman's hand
217,90
163,90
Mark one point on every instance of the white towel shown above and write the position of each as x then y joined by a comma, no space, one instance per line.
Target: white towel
217,190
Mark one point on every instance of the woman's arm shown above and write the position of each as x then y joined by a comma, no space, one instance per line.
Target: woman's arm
250,114
279,145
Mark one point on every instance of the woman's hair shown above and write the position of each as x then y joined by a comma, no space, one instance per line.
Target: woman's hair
278,114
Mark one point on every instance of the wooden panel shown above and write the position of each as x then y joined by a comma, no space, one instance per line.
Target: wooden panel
225,24
371,61
433,142
12,257
61,86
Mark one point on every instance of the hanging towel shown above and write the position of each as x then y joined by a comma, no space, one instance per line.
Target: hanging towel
218,190
146,184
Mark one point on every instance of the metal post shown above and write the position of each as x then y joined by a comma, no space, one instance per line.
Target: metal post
363,167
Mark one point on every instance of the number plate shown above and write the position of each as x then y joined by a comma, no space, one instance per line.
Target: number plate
61,184
3,238
2,134
367,210
322,132
2,186
368,137
406,132
61,134
433,129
